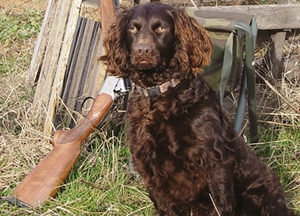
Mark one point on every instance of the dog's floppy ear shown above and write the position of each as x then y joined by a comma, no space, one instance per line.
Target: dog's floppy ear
116,57
193,44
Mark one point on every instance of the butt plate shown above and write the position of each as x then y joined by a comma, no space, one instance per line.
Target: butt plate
15,201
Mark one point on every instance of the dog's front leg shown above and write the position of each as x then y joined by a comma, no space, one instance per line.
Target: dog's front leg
222,192
160,205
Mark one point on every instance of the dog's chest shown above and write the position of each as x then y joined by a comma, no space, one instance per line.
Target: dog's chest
165,143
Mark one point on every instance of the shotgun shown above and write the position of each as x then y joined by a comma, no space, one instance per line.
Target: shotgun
47,177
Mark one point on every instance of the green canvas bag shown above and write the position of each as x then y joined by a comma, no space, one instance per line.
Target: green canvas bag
232,62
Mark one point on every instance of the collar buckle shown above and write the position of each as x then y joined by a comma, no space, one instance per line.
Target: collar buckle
153,91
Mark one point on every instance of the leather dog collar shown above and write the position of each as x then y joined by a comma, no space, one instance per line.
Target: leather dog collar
157,90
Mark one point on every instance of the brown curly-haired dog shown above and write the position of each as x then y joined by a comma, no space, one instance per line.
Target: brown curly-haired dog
192,161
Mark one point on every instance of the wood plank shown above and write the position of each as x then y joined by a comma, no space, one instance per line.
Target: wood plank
70,97
58,37
67,90
95,75
76,68
274,54
39,100
44,88
83,65
62,65
284,16
89,81
39,49
276,16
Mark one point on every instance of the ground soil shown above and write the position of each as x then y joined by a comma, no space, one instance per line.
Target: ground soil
23,4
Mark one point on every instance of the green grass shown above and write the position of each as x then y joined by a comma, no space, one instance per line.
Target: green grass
16,29
279,147
100,182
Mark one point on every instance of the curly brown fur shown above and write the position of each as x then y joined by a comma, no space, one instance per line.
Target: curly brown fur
181,142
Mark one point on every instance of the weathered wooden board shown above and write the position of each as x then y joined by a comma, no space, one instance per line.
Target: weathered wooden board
57,86
39,49
276,16
95,74
285,16
51,58
73,98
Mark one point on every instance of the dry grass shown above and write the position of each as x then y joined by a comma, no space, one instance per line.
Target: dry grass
22,145
279,99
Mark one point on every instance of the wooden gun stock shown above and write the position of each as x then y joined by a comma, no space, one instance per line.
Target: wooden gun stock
45,180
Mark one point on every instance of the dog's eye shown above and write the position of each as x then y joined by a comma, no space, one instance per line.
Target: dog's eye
160,29
133,29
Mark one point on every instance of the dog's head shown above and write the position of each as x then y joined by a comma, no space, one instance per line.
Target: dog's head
150,37
156,42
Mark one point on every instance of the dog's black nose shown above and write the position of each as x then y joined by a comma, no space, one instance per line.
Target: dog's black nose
143,49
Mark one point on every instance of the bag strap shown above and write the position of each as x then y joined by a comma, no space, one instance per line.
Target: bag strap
227,66
248,81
